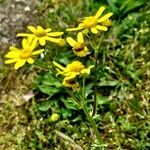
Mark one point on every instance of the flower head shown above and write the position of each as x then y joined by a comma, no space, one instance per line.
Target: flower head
42,35
70,82
23,55
73,69
78,46
94,23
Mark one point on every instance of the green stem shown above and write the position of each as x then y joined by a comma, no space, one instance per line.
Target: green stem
92,122
95,76
95,85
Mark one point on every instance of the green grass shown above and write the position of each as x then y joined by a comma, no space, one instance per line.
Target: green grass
123,85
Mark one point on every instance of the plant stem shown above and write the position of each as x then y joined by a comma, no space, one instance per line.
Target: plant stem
95,85
92,122
95,76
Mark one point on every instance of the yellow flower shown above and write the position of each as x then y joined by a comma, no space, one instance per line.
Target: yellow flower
41,35
78,46
23,55
73,69
70,83
94,23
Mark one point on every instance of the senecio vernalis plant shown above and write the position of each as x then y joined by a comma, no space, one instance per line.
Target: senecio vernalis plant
39,36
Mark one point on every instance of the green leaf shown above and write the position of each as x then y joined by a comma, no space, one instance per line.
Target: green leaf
45,106
50,90
109,83
49,80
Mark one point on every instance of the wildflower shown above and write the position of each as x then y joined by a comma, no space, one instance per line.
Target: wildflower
78,47
70,82
94,23
73,69
41,35
23,55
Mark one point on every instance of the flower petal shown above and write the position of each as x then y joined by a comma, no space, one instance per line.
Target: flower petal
30,60
23,34
55,40
99,12
40,29
74,29
12,54
80,37
19,63
94,30
71,41
11,61
12,48
103,28
34,43
82,53
31,28
53,34
48,30
58,65
38,52
105,17
42,41
24,43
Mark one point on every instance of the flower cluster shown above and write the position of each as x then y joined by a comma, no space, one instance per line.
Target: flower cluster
76,68
39,36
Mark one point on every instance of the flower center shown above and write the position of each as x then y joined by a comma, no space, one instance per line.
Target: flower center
40,33
79,47
90,22
25,53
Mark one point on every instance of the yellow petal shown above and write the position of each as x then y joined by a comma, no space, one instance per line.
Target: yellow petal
80,37
12,54
85,71
55,40
105,17
71,41
19,63
103,28
58,65
31,28
24,43
38,52
94,30
10,61
23,34
53,34
82,53
30,38
99,12
30,60
34,43
40,29
74,29
42,41
48,30
12,48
